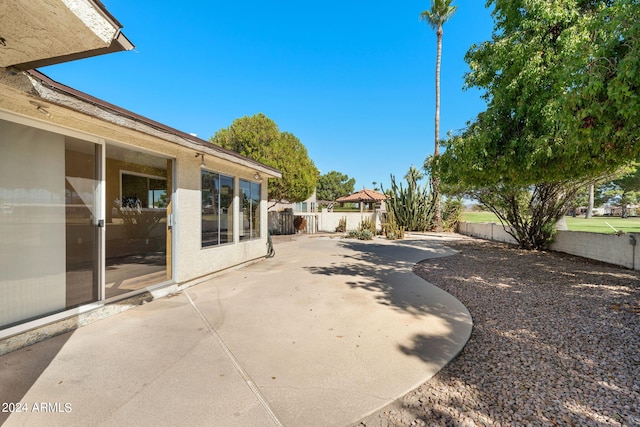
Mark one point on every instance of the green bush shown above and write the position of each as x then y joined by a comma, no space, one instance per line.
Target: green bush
360,234
353,234
451,214
391,229
365,235
367,224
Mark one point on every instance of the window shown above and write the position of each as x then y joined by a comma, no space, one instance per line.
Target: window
250,210
217,209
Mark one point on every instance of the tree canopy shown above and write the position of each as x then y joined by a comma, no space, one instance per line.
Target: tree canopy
562,106
552,111
333,185
259,138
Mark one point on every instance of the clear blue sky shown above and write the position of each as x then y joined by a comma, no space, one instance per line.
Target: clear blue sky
353,80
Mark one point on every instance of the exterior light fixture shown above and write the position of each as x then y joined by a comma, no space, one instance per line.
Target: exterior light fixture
201,155
256,176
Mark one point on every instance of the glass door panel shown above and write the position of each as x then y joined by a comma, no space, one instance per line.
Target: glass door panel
48,210
138,192
81,214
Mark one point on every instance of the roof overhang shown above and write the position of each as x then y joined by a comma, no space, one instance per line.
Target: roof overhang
37,33
42,88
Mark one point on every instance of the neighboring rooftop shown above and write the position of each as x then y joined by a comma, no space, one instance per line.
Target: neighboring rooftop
363,195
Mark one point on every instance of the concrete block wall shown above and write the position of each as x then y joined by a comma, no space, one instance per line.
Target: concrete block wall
610,248
486,230
328,221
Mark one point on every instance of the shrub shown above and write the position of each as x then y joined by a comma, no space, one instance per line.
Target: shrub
353,234
451,214
342,225
367,224
365,235
391,228
360,234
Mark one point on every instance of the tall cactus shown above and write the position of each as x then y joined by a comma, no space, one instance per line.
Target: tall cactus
412,206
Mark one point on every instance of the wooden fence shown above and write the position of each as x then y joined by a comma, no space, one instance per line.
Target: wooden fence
284,222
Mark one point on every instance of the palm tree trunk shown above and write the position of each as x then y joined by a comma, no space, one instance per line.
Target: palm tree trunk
435,180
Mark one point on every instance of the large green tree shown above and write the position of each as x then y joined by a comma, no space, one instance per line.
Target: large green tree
536,144
441,11
259,138
602,84
333,185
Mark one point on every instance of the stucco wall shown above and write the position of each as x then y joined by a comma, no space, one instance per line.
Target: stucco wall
610,248
192,260
328,221
486,230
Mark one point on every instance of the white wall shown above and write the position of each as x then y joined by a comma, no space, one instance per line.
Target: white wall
486,230
610,248
193,261
328,221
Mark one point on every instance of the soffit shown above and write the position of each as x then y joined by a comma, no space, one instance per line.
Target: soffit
38,33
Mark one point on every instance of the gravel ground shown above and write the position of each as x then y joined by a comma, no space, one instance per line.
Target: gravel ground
555,341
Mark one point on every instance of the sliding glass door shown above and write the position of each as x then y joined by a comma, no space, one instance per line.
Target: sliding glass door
138,242
80,221
49,219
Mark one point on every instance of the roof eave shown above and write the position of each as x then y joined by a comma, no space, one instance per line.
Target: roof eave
65,96
119,44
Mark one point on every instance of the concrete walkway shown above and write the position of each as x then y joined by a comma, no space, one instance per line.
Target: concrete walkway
323,334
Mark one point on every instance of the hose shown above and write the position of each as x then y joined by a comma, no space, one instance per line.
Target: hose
270,251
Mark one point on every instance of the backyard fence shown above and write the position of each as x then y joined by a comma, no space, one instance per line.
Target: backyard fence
286,222
281,222
617,249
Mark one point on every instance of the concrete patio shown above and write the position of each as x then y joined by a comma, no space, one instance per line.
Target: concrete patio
324,333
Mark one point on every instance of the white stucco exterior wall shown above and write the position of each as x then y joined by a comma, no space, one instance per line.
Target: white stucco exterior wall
193,261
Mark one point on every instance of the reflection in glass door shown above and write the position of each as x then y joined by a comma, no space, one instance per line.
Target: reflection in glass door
81,221
138,191
49,206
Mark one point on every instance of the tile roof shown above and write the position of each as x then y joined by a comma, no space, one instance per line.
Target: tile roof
363,195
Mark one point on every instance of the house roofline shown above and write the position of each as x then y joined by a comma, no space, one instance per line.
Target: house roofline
119,43
179,137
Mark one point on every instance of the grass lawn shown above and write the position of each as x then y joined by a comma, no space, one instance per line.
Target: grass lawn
594,225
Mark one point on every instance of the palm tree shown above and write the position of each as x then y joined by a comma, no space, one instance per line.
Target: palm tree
441,11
